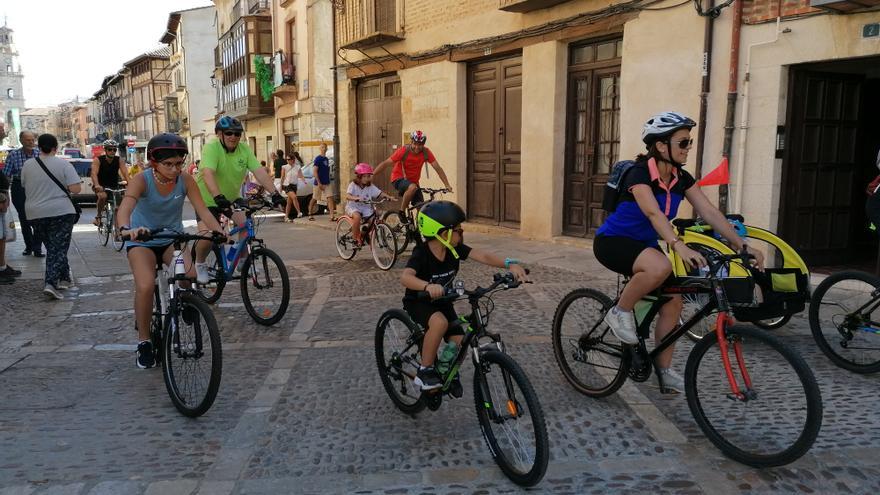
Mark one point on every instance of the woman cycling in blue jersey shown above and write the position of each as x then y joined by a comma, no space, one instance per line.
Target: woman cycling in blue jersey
154,200
627,243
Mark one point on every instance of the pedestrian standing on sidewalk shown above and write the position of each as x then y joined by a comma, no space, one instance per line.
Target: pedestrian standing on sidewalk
14,163
7,273
321,192
51,210
278,163
291,174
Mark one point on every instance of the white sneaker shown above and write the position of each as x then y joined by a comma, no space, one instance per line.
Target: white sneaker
52,292
623,325
203,276
64,284
671,380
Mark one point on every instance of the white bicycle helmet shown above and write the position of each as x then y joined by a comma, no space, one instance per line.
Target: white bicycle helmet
109,143
663,125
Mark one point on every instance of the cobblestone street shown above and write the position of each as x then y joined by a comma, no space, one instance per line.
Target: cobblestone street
301,408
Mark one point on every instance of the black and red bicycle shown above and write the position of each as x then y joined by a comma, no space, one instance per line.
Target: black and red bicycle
753,396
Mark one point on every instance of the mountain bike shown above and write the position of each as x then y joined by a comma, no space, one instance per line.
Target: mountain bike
510,416
107,228
383,243
842,312
265,284
404,227
759,403
184,333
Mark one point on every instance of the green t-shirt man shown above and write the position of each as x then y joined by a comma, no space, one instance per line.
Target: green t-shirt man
229,169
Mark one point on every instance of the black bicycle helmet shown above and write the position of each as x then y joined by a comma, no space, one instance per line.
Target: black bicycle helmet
439,215
164,145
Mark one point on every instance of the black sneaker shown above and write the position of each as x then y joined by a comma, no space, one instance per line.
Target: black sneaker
10,272
145,357
39,254
428,379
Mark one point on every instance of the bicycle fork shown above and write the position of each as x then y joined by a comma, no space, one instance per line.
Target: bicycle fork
736,393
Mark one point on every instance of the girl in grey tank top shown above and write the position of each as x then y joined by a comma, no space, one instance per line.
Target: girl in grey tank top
156,211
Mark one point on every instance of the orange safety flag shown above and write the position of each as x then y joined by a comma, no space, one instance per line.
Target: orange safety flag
721,175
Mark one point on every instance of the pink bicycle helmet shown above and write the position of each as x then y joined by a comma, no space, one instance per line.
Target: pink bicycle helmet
363,168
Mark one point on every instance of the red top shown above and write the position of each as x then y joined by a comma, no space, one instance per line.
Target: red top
412,169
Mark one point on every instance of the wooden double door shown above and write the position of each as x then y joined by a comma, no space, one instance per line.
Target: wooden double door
494,129
379,128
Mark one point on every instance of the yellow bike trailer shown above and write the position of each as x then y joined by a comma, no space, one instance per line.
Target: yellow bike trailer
785,290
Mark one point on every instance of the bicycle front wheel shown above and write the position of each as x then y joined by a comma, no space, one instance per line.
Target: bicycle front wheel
590,357
511,418
192,356
383,244
115,238
397,344
398,226
211,291
265,286
105,227
777,416
345,244
842,318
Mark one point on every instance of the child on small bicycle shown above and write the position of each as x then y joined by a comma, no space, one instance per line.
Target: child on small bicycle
361,188
431,268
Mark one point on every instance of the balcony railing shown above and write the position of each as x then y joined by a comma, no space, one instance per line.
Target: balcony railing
256,6
369,23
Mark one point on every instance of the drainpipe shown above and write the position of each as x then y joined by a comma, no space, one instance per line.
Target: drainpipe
723,190
744,118
336,152
704,90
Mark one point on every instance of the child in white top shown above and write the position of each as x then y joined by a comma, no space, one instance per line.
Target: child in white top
361,188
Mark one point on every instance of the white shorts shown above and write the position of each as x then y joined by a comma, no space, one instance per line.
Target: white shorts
364,210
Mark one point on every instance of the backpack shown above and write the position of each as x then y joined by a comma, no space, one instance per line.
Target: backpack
611,196
406,149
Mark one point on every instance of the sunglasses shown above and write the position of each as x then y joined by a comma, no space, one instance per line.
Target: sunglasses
232,133
172,165
685,143
109,149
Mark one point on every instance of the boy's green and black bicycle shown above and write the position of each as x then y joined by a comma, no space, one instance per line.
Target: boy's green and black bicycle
507,407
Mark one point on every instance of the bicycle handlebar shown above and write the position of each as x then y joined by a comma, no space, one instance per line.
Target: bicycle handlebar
508,280
373,202
215,237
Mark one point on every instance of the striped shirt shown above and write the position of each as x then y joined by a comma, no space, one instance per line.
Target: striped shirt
15,161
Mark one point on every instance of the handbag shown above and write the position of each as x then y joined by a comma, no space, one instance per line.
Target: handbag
76,207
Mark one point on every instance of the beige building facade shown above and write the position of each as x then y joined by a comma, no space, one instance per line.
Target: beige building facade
244,32
527,104
303,59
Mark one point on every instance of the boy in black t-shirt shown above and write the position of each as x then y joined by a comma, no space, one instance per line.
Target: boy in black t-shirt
433,267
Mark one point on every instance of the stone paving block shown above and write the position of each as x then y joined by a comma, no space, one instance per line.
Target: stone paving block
118,488
277,377
72,489
74,348
216,488
285,362
177,487
229,464
36,349
17,490
450,475
116,347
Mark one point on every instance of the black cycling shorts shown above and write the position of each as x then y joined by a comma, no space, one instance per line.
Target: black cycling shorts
619,254
159,251
421,312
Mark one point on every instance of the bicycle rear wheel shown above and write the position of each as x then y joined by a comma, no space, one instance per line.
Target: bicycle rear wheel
265,286
590,357
193,357
211,291
345,244
842,318
105,227
398,226
383,244
397,344
511,418
778,416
